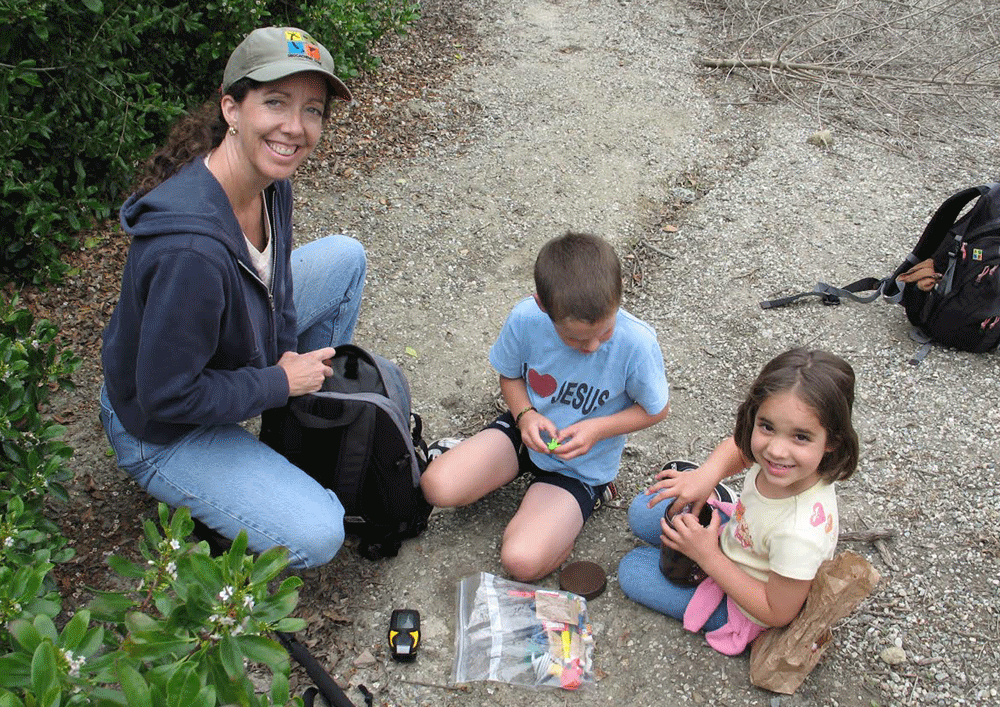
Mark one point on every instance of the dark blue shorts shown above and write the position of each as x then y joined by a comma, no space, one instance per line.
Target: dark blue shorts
586,495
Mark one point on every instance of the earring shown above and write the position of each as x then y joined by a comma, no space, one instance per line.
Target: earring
233,130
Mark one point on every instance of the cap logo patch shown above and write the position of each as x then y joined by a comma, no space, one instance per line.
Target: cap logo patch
302,45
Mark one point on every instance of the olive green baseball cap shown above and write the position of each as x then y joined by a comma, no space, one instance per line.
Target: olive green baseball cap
272,53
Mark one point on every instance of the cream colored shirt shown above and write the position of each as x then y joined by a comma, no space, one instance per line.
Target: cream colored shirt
791,536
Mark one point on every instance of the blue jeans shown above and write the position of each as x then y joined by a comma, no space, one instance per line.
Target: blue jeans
229,479
639,571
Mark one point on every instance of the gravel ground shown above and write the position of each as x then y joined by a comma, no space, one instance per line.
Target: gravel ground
591,114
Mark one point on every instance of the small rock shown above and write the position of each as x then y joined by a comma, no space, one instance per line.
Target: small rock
365,660
893,655
821,138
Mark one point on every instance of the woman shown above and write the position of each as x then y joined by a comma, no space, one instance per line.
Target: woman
208,331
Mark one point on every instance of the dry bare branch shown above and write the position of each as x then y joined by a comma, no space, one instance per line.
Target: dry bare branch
903,71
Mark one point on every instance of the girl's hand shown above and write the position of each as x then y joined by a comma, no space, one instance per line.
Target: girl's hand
686,487
532,424
577,439
922,274
690,537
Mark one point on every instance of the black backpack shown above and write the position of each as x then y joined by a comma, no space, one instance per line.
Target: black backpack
963,309
355,437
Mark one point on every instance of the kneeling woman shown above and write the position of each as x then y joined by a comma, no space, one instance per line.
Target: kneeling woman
209,331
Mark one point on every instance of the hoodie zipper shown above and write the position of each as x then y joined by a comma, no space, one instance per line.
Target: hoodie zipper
273,342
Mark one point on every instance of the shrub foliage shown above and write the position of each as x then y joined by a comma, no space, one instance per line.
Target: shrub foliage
89,87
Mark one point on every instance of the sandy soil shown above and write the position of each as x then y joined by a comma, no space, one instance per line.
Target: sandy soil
503,124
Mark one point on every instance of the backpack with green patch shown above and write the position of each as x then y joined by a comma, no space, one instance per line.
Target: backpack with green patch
963,308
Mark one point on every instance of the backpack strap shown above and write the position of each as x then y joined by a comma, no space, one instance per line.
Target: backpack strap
925,346
831,295
944,218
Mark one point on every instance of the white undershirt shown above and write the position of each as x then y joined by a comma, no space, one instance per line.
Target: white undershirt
261,259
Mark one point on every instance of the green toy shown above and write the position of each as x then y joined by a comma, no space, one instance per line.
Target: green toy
553,444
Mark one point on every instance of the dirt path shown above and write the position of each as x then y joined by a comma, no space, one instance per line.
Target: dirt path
590,114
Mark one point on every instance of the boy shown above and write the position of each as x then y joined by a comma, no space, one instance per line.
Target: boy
578,374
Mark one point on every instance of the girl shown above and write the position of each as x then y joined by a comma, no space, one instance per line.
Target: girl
794,433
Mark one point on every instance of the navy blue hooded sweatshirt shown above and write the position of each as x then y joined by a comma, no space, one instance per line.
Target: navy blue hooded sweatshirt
195,335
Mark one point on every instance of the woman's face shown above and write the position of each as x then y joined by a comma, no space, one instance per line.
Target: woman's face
278,123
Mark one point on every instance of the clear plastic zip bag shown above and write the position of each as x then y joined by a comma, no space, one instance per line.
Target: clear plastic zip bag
520,634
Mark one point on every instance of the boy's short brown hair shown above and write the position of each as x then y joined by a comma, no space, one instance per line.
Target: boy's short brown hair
578,276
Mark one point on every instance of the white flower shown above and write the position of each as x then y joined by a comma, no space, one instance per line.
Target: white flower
172,569
227,593
174,544
248,602
74,663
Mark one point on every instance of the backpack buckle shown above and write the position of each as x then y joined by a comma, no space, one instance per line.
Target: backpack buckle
829,299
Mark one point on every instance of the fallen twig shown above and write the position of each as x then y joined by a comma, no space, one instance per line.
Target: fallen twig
772,64
868,536
421,683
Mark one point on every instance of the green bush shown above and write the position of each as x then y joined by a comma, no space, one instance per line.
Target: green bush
180,634
88,88
32,464
184,627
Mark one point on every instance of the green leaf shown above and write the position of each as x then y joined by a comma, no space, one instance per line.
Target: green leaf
109,606
290,625
260,649
134,686
236,552
91,643
75,630
94,6
410,351
8,699
125,568
45,628
25,634
15,670
43,669
279,689
269,565
231,657
183,687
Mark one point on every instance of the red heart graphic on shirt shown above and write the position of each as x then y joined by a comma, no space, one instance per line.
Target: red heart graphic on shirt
543,384
818,516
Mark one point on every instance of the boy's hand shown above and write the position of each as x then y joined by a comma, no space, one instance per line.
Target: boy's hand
685,486
690,537
577,439
532,424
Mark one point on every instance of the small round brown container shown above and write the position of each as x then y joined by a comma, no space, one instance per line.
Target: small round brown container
677,567
584,578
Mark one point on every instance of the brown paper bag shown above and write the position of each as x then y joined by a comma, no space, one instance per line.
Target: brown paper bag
781,658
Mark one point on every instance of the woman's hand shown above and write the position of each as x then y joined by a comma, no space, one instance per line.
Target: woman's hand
306,372
922,275
689,537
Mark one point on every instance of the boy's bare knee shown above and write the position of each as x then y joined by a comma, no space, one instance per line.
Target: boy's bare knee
522,561
434,483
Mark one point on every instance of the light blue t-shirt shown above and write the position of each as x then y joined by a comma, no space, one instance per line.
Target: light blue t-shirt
566,385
